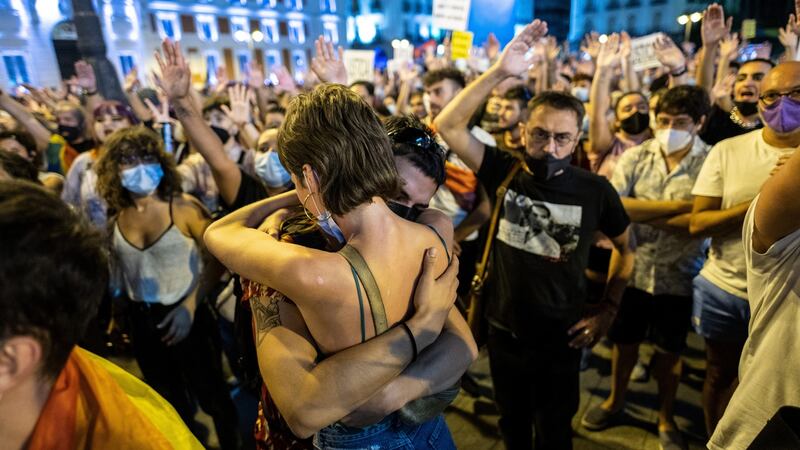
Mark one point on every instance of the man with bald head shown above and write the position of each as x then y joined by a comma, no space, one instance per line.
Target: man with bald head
765,258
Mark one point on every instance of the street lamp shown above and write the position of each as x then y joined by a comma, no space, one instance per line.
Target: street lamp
687,20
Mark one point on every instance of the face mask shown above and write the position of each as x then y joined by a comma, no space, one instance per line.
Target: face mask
635,123
268,167
585,123
581,93
392,109
221,133
406,212
547,167
70,133
747,108
325,220
782,116
672,140
234,153
142,179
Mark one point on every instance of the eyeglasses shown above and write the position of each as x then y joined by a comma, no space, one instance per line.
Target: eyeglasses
542,137
129,160
412,136
772,97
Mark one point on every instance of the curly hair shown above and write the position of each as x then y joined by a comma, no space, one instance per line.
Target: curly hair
135,141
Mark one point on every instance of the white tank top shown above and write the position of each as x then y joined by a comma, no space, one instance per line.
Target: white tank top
163,272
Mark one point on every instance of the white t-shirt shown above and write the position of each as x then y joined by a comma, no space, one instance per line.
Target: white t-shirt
734,170
770,364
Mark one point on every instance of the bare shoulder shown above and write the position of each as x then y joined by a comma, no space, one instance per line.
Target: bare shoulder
440,222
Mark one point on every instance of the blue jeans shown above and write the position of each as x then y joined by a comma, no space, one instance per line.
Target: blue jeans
388,434
718,315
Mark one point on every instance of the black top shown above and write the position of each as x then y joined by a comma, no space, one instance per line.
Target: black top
720,126
543,238
250,191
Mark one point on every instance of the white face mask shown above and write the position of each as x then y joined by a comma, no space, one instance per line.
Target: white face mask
581,93
672,140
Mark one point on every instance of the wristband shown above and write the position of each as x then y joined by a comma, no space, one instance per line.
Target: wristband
89,93
413,341
680,72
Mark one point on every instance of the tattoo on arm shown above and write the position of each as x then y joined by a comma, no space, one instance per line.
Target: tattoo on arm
266,313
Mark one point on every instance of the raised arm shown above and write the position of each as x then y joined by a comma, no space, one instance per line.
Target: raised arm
608,59
777,213
24,117
673,59
452,122
86,80
239,112
329,64
131,86
712,30
311,396
629,76
175,80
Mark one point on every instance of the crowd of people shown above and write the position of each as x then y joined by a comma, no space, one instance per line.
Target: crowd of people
349,248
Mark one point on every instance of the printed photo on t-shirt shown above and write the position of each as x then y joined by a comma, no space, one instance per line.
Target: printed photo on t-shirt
546,229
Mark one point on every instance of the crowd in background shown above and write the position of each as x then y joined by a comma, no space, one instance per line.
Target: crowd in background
594,202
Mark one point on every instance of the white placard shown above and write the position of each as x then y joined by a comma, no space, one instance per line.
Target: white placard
360,65
643,55
451,14
404,53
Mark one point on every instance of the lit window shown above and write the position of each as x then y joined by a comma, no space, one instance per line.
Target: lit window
168,26
270,30
243,59
212,63
268,3
331,32
240,29
294,4
327,5
16,69
274,59
126,63
297,32
207,28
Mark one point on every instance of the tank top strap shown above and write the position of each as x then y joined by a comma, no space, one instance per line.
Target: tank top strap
441,239
360,268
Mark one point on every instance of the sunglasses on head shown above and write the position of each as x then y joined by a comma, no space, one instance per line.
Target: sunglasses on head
412,136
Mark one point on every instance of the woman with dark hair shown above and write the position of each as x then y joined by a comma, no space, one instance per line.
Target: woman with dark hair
165,273
23,144
80,189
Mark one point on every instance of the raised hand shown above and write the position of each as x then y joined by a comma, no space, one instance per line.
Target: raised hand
723,88
668,53
131,82
624,45
492,47
240,99
222,80
329,64
729,46
714,26
175,73
512,61
551,48
610,55
160,115
285,80
84,76
591,44
255,75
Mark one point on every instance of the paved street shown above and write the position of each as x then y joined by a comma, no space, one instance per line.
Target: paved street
473,422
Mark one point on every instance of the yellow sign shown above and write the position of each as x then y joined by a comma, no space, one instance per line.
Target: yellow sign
748,28
461,44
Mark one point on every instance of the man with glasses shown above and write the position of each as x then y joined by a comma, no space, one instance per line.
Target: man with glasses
655,181
732,175
769,366
536,302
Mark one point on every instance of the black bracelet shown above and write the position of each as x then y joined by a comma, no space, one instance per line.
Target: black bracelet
413,341
680,72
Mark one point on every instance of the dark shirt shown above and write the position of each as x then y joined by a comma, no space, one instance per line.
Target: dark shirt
250,191
720,126
542,243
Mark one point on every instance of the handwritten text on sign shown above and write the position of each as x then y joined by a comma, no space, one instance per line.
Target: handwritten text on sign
451,14
360,65
643,54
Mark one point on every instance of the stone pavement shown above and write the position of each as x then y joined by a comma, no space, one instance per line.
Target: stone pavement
473,422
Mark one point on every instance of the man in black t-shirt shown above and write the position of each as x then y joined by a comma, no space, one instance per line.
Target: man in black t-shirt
536,308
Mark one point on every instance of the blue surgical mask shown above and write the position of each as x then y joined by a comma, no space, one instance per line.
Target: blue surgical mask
325,220
142,179
269,168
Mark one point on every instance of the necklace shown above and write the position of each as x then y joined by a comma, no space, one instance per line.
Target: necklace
746,125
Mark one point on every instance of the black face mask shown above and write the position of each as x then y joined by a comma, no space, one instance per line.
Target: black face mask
635,123
547,167
409,213
70,133
221,133
747,108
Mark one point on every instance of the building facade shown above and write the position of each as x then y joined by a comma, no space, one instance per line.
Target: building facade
38,40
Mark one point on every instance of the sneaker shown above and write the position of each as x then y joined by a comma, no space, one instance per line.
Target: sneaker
671,440
640,373
598,418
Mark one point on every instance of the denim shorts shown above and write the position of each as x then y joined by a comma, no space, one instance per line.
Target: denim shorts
717,314
388,434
